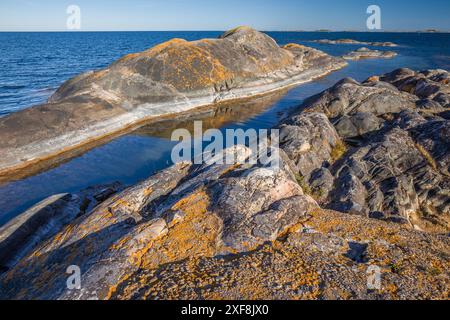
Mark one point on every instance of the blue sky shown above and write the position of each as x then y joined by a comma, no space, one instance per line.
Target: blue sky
110,15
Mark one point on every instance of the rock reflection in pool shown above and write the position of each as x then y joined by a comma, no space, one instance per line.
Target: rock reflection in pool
127,158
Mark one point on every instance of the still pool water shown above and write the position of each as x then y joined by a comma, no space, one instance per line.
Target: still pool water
35,64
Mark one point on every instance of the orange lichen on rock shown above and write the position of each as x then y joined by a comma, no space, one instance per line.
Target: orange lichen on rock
194,66
160,47
295,46
197,235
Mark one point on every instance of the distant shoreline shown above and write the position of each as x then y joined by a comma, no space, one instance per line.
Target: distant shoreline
293,31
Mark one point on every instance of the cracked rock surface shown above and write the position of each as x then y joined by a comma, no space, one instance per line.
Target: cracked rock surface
366,53
362,185
395,166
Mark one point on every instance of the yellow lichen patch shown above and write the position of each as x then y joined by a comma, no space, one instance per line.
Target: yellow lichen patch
391,289
289,268
194,67
196,235
373,79
338,151
129,57
60,237
247,277
148,191
292,229
230,169
121,243
295,46
237,29
152,51
160,47
351,227
427,156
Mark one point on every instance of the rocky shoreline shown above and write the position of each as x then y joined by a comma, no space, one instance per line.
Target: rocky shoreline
173,77
351,41
363,181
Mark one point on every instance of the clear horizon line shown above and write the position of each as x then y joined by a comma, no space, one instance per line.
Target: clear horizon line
199,30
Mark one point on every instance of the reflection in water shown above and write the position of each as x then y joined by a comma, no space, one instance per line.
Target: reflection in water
127,158
217,116
214,116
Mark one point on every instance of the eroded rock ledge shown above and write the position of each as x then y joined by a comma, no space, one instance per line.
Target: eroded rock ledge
170,78
395,162
376,151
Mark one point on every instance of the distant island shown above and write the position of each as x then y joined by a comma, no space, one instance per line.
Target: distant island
351,41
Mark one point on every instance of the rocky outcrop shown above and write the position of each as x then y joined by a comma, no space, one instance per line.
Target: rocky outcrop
309,140
361,166
351,41
396,164
432,86
365,53
329,256
173,77
237,231
182,212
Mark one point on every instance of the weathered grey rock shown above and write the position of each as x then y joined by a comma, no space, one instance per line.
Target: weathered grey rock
348,97
19,236
398,169
366,53
330,257
443,99
431,84
182,212
445,115
321,183
171,78
373,179
408,119
430,106
351,41
357,125
250,231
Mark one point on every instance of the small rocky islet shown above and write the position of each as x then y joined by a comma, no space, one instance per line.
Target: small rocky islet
356,42
363,182
366,53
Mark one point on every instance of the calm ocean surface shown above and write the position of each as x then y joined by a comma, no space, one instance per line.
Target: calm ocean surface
33,65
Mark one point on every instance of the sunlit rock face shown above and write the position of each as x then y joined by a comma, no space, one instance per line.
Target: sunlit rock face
362,182
173,77
237,231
